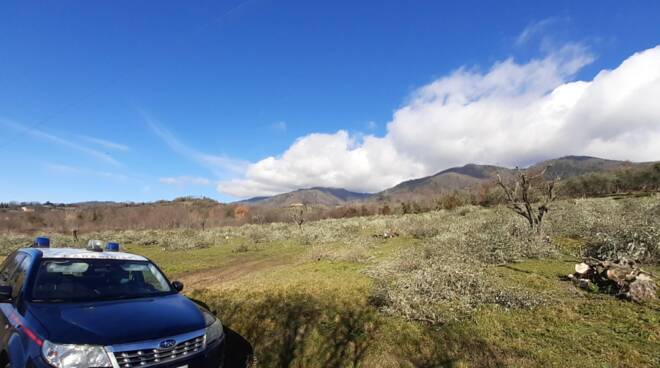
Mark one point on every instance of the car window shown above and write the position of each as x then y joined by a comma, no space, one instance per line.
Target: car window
18,278
9,266
61,280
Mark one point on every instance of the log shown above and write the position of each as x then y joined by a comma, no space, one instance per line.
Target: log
644,277
582,268
632,283
618,273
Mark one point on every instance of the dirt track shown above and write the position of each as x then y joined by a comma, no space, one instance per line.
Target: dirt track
206,279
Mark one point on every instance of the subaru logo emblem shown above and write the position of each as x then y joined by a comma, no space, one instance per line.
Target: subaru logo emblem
167,344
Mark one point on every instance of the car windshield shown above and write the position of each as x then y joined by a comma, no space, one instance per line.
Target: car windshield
60,280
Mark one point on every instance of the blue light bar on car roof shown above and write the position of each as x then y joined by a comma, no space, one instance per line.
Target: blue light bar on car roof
41,242
112,247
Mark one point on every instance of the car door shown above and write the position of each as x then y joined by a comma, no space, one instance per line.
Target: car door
7,272
16,282
9,266
14,311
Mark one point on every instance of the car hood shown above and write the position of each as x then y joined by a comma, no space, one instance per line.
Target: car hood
118,322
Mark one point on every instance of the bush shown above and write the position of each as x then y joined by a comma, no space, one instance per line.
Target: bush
241,248
504,238
443,285
611,228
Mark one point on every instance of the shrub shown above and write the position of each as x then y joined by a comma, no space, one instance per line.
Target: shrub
611,228
443,285
241,248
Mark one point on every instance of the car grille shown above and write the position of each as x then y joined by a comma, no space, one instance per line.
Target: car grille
148,357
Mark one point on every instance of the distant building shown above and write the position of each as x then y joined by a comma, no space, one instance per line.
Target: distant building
27,209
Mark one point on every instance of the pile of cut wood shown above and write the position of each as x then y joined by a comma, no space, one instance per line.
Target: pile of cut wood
623,278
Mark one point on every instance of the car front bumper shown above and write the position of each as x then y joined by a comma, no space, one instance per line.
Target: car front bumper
212,357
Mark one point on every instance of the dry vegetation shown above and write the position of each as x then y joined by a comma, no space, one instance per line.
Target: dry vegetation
471,286
202,213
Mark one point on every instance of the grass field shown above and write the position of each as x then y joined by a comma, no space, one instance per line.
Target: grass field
469,287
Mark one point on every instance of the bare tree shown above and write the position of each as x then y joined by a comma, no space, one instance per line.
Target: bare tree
298,214
519,199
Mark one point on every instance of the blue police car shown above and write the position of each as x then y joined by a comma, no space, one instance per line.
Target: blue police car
92,308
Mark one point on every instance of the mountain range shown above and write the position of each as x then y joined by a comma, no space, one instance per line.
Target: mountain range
466,177
312,196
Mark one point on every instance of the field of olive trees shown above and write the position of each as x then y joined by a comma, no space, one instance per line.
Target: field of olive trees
471,286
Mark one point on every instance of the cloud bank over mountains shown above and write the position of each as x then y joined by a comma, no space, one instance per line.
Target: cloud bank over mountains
511,114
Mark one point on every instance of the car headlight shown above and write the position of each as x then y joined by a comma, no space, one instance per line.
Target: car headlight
75,356
214,331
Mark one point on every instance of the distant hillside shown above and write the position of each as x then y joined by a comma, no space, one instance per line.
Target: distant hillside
470,176
254,200
580,177
317,196
456,178
570,166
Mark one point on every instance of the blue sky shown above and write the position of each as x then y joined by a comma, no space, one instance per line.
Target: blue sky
151,100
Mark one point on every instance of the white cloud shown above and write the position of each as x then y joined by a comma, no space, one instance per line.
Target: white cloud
512,114
184,180
331,160
106,143
535,28
39,134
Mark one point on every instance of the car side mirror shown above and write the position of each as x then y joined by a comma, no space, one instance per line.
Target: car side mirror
177,285
5,293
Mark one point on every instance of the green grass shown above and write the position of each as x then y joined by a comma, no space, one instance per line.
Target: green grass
296,315
591,329
306,299
177,262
